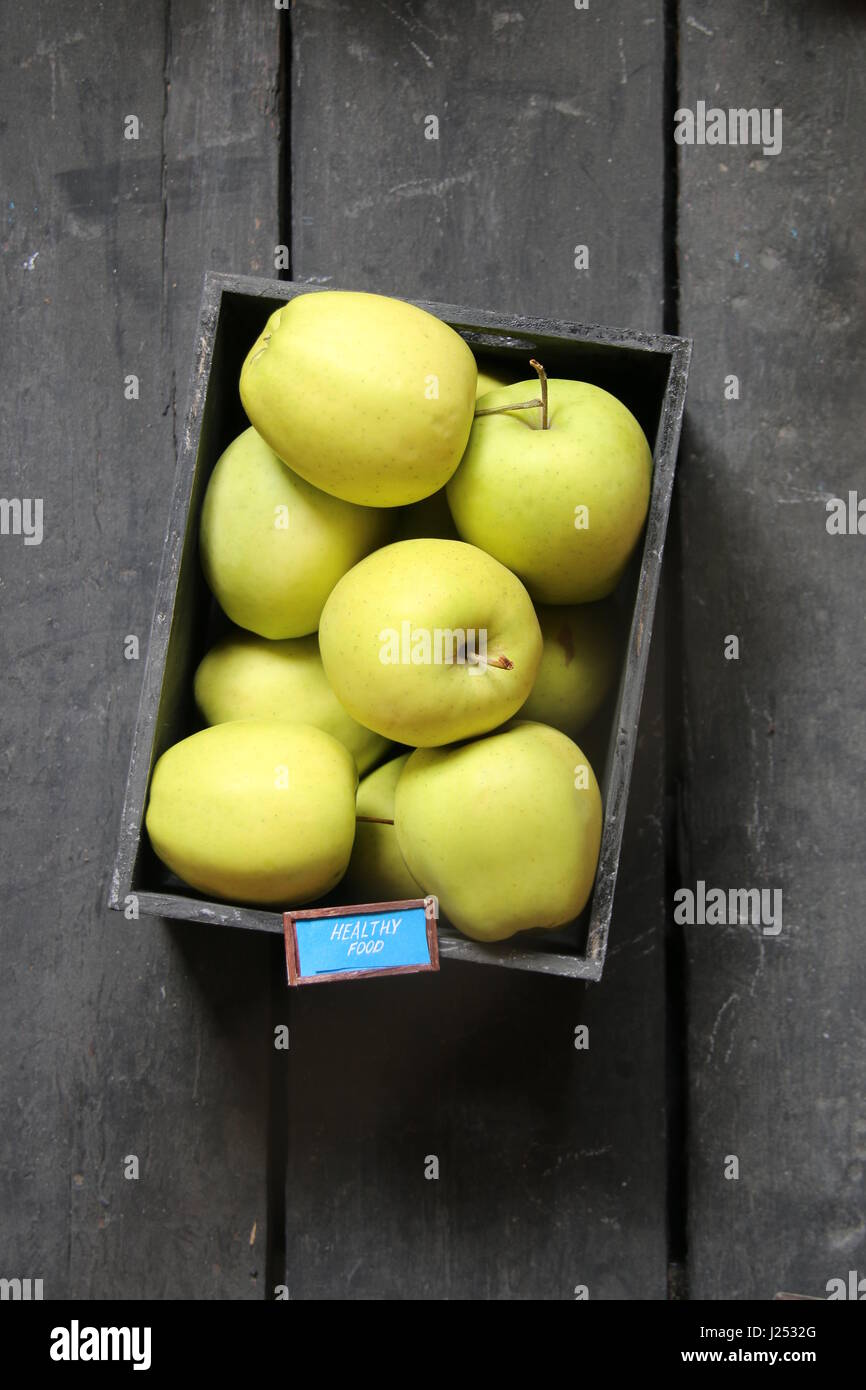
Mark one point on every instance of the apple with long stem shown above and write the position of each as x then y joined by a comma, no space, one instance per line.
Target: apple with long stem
555,486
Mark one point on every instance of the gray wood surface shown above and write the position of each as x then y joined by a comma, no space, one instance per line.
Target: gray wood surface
119,1037
552,1161
155,1039
772,250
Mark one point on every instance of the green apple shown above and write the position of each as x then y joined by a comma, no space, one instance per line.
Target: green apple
250,677
427,641
560,500
377,871
368,398
257,811
272,546
578,665
504,830
428,519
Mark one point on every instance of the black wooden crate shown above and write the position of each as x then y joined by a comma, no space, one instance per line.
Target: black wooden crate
648,372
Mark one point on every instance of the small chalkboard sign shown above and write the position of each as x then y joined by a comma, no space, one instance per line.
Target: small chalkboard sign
352,943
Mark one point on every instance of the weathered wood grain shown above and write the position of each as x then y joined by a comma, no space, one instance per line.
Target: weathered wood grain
552,1160
771,256
120,1037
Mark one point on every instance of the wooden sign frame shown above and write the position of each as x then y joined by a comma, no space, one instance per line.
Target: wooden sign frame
429,905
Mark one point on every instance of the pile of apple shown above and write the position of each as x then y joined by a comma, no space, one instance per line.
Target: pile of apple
410,559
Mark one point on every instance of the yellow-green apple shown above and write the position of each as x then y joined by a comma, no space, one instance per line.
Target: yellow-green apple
377,870
504,830
368,398
272,546
250,677
558,493
427,641
257,811
578,665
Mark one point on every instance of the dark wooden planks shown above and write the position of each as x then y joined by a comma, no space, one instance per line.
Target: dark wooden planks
120,1037
552,1161
548,139
771,255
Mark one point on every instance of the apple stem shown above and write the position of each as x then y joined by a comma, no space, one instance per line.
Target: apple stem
524,405
542,377
374,820
502,662
499,409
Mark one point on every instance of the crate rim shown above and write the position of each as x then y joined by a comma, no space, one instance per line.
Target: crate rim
260,287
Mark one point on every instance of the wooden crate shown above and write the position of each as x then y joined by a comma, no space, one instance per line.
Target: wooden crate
647,371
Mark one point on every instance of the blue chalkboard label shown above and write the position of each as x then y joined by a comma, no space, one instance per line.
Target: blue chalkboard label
358,941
